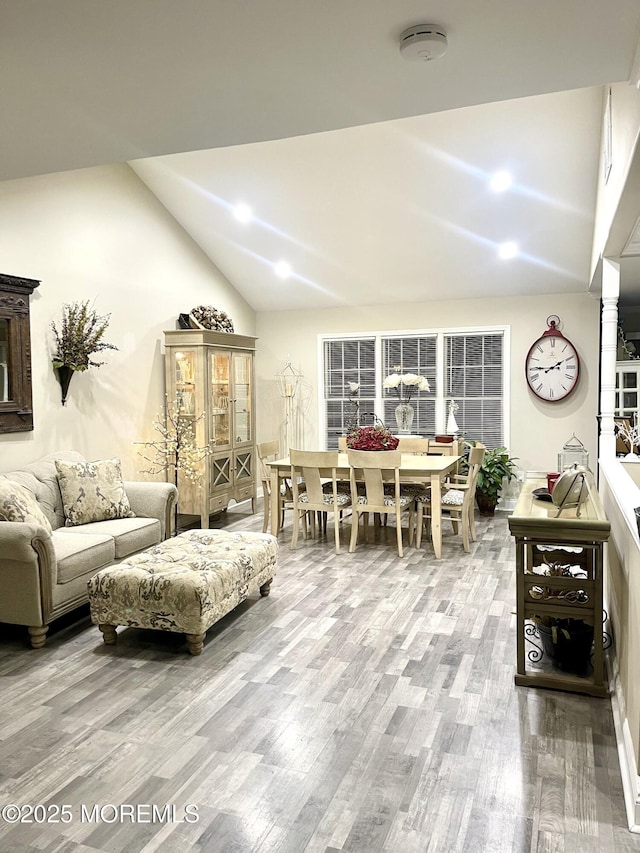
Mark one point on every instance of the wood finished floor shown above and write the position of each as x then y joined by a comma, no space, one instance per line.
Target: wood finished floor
367,705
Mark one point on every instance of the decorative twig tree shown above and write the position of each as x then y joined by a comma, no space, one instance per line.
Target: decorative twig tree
176,448
629,432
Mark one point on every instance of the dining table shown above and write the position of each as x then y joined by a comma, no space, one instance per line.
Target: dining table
430,470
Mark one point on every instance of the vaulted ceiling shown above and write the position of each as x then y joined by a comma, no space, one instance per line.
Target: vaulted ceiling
366,173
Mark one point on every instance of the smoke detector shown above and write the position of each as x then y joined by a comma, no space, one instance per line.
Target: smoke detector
423,42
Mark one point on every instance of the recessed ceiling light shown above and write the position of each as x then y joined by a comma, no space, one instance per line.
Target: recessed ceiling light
508,250
500,181
243,212
282,269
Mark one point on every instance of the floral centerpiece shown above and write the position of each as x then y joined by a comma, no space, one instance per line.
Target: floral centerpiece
405,385
372,438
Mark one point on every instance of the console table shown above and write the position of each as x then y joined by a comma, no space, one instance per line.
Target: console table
559,564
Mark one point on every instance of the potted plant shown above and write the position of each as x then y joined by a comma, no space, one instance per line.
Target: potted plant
496,466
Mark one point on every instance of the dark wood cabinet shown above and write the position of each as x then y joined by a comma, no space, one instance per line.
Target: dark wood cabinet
559,566
16,408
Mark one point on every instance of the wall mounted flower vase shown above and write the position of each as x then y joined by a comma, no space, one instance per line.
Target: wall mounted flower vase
63,375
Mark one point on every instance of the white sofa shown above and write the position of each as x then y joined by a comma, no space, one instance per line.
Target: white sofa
43,574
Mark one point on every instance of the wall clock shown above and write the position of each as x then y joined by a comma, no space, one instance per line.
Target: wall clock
552,365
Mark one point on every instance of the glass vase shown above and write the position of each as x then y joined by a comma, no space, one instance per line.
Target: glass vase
404,417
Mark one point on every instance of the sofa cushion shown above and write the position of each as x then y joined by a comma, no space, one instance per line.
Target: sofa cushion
129,534
81,555
41,479
19,504
92,491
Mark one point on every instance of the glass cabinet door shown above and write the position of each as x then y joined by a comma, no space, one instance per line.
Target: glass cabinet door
185,375
219,377
242,397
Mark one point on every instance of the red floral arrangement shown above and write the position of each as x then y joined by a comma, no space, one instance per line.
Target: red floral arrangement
372,438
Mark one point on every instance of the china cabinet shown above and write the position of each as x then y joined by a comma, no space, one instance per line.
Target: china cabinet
210,380
559,615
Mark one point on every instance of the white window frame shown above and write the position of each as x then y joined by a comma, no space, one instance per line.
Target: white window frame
440,401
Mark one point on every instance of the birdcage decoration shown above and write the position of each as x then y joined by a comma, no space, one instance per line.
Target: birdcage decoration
573,453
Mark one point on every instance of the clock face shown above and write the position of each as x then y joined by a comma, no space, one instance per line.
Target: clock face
552,368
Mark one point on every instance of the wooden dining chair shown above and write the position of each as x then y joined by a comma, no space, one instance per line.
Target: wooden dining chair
457,501
315,468
269,451
409,488
417,446
375,469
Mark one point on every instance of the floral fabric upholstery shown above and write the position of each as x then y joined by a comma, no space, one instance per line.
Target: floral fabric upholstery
186,583
454,497
342,498
389,500
19,504
92,491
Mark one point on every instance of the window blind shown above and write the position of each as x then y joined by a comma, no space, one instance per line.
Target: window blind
474,378
466,366
348,361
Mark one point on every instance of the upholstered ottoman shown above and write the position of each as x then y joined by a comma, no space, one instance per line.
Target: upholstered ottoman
185,584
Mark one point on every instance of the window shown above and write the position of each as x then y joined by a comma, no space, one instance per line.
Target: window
347,363
467,366
474,379
411,355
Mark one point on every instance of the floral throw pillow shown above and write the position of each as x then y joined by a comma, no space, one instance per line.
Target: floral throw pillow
18,504
92,491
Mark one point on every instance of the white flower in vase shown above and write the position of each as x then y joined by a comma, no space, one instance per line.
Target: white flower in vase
406,385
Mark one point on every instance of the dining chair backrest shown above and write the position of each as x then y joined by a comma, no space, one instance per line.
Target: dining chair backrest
314,466
267,451
417,446
374,468
476,455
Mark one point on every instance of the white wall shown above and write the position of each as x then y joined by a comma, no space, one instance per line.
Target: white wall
625,124
99,234
538,429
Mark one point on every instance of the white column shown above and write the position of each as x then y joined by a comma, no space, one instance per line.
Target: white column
608,356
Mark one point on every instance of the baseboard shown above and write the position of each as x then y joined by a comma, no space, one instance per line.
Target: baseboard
626,755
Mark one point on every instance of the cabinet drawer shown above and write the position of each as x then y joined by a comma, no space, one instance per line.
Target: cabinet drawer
218,501
245,492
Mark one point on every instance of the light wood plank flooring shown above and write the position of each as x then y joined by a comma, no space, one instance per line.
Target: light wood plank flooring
367,705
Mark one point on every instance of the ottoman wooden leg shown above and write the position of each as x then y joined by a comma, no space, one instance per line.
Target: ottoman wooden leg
265,589
38,635
108,634
195,643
